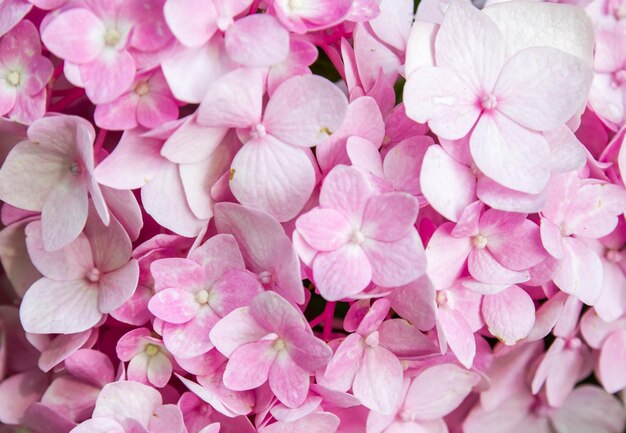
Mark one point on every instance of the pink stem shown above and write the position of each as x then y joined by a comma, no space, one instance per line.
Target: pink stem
102,134
67,100
329,314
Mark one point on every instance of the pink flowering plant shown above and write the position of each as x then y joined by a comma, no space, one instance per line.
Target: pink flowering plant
312,216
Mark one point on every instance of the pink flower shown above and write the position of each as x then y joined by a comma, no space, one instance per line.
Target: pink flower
132,407
270,342
150,362
576,210
486,92
149,103
193,294
83,281
25,73
284,181
61,150
98,37
361,236
425,400
361,363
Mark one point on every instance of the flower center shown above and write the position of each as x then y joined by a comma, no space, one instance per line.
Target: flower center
489,102
295,4
259,130
93,275
619,77
14,78
442,297
479,241
357,237
202,297
573,343
142,88
265,277
152,349
112,37
279,344
614,256
223,23
75,169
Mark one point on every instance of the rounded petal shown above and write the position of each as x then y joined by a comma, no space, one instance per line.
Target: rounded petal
341,273
305,110
249,366
76,35
257,40
510,314
378,381
324,229
174,305
272,176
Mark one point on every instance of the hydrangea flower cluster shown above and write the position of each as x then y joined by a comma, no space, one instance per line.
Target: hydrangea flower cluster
312,216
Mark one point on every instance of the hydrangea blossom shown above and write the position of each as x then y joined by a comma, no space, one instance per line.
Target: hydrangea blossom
312,216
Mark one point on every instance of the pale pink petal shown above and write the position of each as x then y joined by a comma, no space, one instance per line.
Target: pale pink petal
90,365
76,35
122,400
520,248
64,213
403,339
446,256
60,307
510,154
342,273
108,76
588,408
174,305
189,26
134,162
234,290
257,40
364,154
61,347
288,381
191,338
272,176
324,229
116,287
342,368
192,142
346,190
234,100
552,239
546,103
510,314
235,330
438,96
448,185
110,245
68,263
378,382
168,419
316,422
164,199
396,263
275,314
304,111
249,365
458,334
159,370
416,303
388,217
470,43
483,266
579,273
155,109
119,114
439,390
611,369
